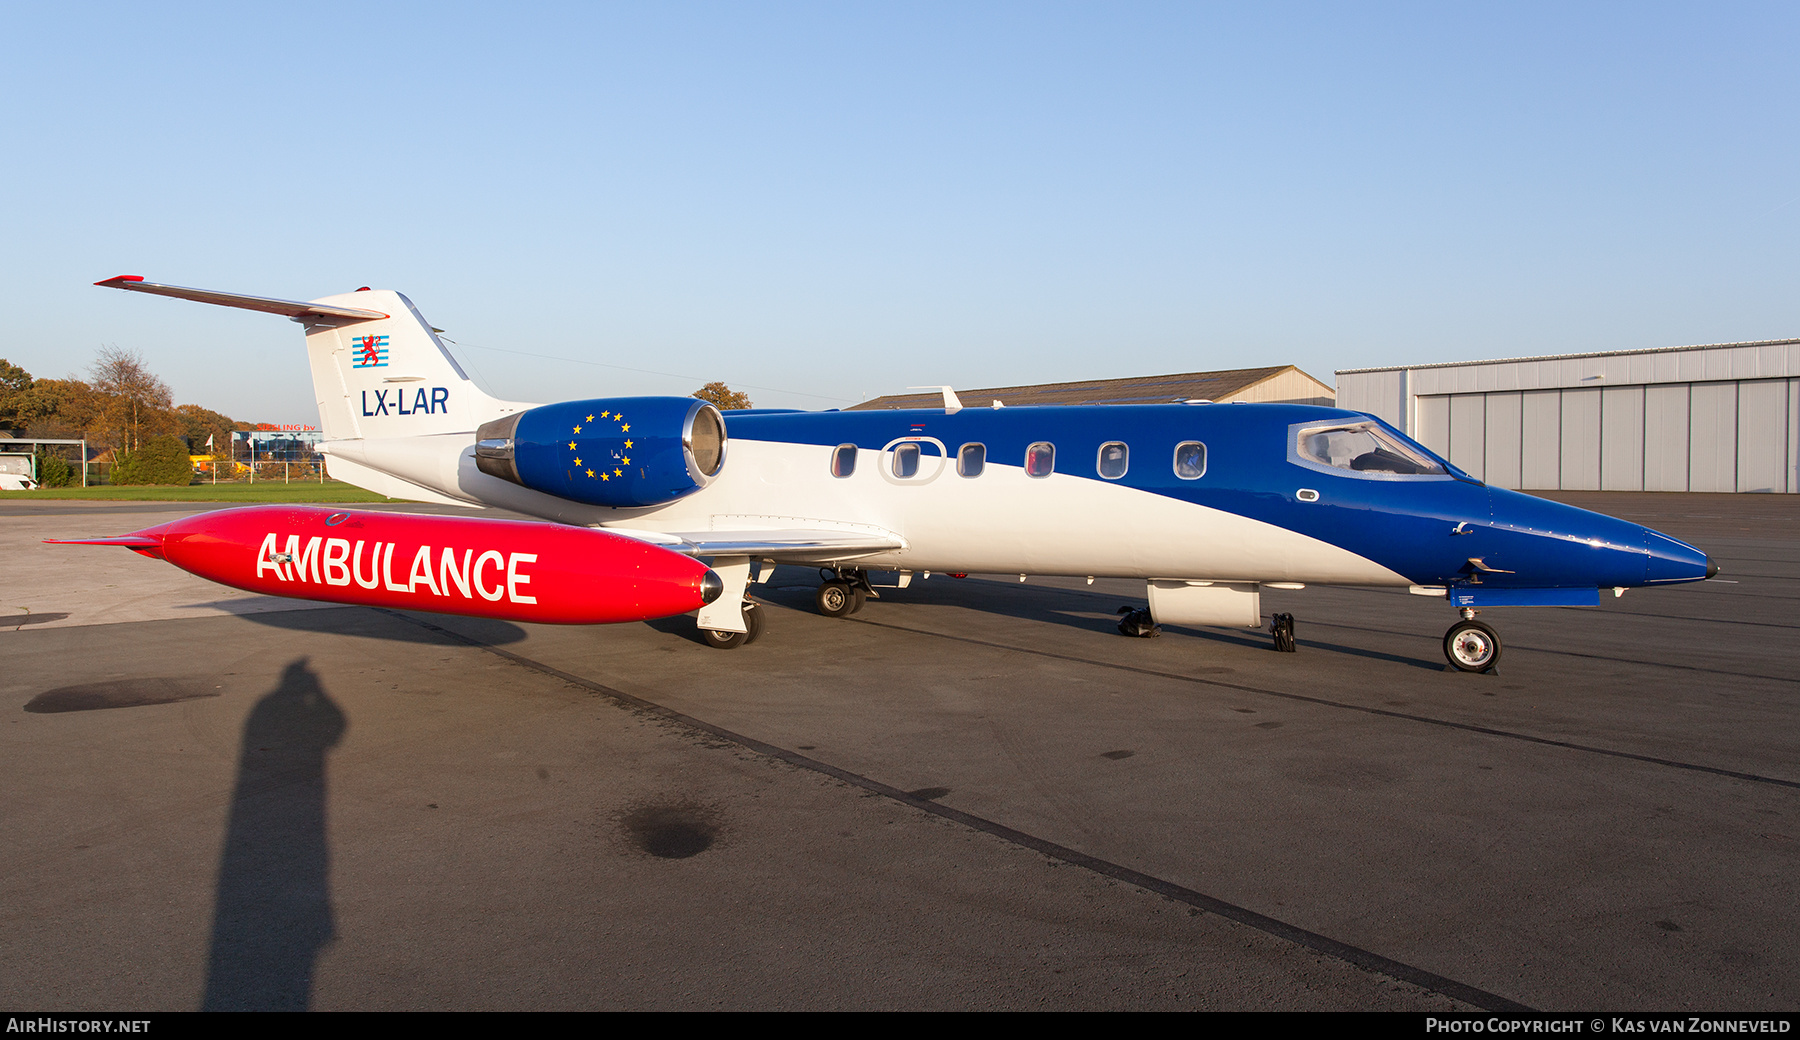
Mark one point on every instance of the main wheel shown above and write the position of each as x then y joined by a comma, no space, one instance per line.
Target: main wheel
1471,646
836,599
729,640
861,595
724,640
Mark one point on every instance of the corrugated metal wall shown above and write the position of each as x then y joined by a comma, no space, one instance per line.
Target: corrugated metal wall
1724,418
1736,436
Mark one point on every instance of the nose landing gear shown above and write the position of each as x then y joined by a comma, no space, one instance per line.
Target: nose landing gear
1471,646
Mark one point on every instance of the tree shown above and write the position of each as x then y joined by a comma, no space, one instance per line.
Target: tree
70,408
19,403
722,397
162,460
198,424
137,395
53,470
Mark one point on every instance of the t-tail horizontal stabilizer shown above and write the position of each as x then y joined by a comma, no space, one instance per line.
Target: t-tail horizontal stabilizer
266,304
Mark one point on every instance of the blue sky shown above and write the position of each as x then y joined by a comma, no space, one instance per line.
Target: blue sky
822,202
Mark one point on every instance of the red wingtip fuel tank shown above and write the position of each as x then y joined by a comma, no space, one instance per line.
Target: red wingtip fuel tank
508,569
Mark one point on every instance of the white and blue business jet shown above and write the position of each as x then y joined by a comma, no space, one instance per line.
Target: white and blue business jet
1206,504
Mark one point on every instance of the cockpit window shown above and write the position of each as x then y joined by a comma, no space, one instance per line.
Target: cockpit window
1362,447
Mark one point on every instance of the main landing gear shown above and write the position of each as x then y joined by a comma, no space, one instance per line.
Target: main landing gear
730,640
1471,646
843,593
1138,624
1281,626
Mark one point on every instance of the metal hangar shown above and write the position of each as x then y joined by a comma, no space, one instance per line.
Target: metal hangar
1713,417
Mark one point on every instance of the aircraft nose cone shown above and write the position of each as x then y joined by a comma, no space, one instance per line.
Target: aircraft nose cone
1671,561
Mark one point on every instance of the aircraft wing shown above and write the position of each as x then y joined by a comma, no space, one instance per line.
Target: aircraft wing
799,542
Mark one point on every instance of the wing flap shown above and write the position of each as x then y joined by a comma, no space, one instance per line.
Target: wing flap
796,544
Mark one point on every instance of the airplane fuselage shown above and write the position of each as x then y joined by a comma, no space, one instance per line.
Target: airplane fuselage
1255,511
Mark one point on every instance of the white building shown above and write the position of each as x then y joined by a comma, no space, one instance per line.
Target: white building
1717,417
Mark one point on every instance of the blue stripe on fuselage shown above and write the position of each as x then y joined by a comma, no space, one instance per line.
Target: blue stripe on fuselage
1400,522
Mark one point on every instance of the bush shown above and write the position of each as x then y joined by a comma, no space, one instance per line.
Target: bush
161,460
54,471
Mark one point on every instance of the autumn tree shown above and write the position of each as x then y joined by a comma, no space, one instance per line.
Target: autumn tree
722,397
124,407
139,399
199,424
70,408
19,405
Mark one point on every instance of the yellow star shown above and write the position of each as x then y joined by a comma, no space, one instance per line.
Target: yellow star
590,472
624,429
604,414
578,462
618,472
590,418
577,429
627,462
603,476
628,444
571,445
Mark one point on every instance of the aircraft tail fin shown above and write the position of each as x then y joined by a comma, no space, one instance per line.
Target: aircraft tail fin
389,376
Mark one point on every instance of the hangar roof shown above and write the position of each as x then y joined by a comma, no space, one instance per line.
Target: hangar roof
1287,381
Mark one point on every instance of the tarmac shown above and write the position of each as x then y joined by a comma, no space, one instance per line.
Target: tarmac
973,794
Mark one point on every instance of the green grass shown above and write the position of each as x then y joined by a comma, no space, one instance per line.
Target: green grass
261,491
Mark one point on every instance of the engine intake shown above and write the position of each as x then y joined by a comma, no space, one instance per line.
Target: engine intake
618,451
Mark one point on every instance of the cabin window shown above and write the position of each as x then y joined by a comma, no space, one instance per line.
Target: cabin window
1190,460
971,459
1362,447
906,460
1040,459
1113,459
843,460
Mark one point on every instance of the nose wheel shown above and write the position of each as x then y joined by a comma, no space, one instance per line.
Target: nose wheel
1471,646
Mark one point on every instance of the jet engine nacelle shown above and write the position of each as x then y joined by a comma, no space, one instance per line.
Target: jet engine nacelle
615,451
